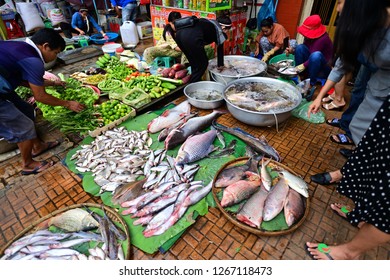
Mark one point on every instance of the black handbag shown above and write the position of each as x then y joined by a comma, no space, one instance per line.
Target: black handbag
185,22
252,22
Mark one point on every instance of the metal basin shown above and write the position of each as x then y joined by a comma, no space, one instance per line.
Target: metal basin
260,67
264,118
204,86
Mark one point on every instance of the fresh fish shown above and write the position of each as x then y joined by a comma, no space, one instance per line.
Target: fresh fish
75,219
252,211
265,176
127,192
169,117
260,145
221,139
229,150
293,207
241,189
275,200
233,174
191,127
164,133
196,147
296,183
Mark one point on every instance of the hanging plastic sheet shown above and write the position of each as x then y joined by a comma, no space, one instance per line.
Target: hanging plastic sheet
268,9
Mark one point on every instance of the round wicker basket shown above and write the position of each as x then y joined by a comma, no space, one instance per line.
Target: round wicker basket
111,213
231,216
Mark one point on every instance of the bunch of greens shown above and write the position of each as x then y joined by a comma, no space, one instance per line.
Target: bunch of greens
66,120
23,92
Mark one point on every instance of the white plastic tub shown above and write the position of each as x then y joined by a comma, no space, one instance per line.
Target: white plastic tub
110,48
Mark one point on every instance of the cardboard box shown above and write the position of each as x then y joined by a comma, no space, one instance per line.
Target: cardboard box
145,29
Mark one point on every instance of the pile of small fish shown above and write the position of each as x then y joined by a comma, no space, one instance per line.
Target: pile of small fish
264,201
161,208
171,189
76,225
116,157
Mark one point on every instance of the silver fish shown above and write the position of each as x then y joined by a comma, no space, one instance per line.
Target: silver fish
169,117
192,126
275,200
260,145
294,207
296,183
196,147
265,176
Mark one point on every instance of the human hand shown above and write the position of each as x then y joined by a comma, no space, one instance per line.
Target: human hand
220,68
314,107
288,50
257,52
75,106
82,32
105,37
300,68
59,83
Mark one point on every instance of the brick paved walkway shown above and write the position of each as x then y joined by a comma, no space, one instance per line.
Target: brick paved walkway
304,147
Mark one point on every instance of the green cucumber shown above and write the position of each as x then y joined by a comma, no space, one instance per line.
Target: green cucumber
173,81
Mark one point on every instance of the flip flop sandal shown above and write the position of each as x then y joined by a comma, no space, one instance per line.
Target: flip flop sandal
333,122
37,169
343,209
322,178
343,139
332,106
50,145
328,98
322,248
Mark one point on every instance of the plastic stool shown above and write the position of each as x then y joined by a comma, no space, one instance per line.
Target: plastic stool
69,47
164,61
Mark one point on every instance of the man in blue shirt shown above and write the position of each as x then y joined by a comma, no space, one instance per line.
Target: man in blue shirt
22,63
129,9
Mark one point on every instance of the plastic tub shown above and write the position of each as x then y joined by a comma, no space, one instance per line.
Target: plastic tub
281,57
110,48
98,38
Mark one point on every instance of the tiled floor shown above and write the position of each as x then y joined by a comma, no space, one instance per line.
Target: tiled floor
304,147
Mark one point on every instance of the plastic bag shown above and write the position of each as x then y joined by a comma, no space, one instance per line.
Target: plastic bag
301,112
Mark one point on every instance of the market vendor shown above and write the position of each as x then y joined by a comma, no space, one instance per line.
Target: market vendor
22,64
166,46
272,39
127,9
192,34
83,23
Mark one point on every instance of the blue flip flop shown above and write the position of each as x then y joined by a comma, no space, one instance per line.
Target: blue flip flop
37,169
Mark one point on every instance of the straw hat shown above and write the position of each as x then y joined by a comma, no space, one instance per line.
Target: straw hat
312,27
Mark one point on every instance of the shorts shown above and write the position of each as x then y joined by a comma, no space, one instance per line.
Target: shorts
15,126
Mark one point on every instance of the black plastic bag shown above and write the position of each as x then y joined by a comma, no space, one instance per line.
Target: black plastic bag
251,24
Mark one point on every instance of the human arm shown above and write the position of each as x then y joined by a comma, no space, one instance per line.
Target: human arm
40,95
76,20
257,42
115,4
48,83
94,23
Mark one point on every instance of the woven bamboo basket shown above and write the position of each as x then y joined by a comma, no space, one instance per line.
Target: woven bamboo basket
231,216
111,213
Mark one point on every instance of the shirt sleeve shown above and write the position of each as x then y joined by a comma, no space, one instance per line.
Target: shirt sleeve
114,3
94,23
32,70
74,21
337,72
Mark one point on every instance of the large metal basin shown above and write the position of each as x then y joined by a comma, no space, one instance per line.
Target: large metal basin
261,67
190,89
263,118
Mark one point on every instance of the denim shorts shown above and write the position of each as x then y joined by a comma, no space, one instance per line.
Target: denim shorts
15,126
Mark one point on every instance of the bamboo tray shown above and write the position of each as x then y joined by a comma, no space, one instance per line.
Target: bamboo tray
111,213
231,216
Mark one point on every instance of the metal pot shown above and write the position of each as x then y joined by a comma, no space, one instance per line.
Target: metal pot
204,85
263,118
225,79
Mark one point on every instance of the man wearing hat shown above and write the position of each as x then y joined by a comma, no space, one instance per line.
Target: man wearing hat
313,58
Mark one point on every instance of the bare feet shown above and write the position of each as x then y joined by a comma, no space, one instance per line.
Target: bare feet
44,147
341,210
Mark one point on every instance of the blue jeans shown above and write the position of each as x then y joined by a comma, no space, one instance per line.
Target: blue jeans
129,12
357,96
318,66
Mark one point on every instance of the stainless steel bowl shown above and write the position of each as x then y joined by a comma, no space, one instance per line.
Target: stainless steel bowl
204,85
263,118
225,79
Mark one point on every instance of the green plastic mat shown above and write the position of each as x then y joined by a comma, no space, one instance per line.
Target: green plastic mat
208,169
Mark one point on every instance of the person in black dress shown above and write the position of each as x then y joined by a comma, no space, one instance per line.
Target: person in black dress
192,34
